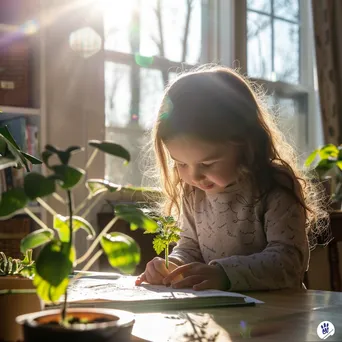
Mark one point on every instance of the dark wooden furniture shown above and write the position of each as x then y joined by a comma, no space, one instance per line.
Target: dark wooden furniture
11,233
336,230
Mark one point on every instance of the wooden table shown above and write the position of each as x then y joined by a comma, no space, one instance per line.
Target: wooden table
291,316
336,230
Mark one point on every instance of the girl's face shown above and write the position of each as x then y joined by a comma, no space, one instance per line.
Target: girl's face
208,166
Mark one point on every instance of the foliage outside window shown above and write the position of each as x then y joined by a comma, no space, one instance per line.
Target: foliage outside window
278,39
146,44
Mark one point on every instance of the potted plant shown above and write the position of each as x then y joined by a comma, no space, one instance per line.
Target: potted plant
57,257
327,160
17,294
166,234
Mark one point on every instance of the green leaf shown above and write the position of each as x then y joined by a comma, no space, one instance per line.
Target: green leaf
36,185
46,156
174,237
61,224
47,292
4,131
97,186
12,200
159,244
69,176
309,160
136,218
111,148
55,262
52,149
325,165
36,239
12,150
328,150
122,251
63,155
3,146
31,159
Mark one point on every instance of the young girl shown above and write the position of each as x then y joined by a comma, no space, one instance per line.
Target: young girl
245,209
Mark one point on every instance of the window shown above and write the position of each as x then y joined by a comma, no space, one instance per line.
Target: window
280,57
273,37
146,44
148,41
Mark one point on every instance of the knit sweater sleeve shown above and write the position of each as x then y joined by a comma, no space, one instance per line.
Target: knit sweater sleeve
187,249
284,260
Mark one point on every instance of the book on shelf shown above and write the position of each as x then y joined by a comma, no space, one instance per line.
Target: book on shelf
120,292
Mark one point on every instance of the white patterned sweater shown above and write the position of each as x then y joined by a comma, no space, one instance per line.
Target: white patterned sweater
261,246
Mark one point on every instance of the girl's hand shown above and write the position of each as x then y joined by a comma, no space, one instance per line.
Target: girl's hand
199,276
156,271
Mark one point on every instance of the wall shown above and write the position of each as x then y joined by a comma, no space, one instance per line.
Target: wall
72,87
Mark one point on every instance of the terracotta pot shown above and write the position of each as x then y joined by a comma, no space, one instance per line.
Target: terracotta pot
12,305
117,328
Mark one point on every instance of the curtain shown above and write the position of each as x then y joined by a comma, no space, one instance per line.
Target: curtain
327,22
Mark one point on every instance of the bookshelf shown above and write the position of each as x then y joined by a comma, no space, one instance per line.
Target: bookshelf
21,111
67,90
21,19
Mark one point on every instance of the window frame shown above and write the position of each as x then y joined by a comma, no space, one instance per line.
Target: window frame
305,90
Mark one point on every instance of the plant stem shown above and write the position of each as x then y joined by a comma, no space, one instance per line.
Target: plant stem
167,256
70,218
36,218
93,204
64,307
91,159
88,264
58,198
46,206
81,205
96,241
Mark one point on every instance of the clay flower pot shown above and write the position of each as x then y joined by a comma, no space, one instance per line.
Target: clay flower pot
106,325
12,305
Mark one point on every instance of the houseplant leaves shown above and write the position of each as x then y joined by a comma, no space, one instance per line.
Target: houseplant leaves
61,224
122,251
36,239
36,185
12,200
111,148
136,218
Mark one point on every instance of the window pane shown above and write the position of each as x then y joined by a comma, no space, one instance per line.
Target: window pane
259,47
259,5
117,17
171,29
134,141
151,91
292,122
288,9
117,94
286,56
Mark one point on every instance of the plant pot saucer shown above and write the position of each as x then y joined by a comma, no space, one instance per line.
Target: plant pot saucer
117,326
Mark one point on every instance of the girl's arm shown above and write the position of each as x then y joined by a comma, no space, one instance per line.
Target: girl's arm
187,249
284,260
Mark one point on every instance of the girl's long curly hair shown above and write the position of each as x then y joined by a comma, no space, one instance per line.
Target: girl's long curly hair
218,104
